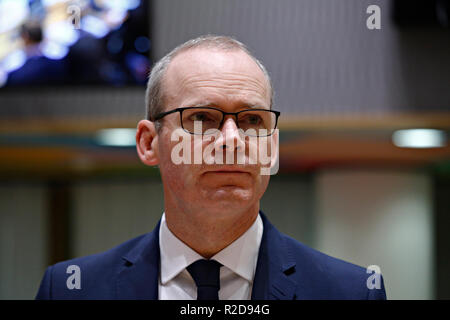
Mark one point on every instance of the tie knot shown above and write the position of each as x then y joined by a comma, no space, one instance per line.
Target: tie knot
206,273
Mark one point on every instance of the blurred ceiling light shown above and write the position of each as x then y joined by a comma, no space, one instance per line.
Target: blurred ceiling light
49,3
117,137
116,17
121,4
54,51
419,138
12,14
95,26
61,32
14,61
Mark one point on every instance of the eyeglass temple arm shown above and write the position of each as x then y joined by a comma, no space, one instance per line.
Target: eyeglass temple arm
163,114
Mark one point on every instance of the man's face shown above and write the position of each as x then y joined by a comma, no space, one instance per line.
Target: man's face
230,81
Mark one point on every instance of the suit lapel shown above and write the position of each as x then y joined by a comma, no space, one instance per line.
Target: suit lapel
274,266
138,274
139,271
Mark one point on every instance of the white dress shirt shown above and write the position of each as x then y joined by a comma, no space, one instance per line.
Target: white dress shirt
236,275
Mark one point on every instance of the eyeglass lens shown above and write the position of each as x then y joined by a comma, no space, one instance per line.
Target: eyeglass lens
252,122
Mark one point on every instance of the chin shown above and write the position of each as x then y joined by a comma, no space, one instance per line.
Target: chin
230,196
232,192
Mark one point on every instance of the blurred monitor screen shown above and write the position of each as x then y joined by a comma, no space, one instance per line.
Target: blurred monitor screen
74,42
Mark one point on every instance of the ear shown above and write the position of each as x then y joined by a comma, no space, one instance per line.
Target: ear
147,143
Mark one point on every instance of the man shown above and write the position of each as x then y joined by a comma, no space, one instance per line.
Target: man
212,241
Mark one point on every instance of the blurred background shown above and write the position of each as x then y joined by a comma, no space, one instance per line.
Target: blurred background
364,155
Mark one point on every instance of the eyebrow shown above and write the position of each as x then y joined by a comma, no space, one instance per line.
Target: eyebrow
243,105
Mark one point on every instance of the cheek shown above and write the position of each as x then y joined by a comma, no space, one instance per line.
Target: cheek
180,176
169,170
262,184
259,150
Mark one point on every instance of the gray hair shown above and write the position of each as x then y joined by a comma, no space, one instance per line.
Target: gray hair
154,95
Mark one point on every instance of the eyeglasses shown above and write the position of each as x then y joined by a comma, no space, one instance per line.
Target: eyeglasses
253,122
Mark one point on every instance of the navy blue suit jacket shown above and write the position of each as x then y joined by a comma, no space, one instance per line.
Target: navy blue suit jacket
286,269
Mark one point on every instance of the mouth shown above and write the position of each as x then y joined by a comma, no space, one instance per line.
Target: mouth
227,172
230,170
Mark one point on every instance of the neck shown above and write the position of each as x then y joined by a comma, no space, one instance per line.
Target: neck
208,233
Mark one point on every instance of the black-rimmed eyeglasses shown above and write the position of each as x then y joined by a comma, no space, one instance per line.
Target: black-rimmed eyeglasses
253,122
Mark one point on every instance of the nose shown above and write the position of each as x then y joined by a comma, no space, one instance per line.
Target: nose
230,137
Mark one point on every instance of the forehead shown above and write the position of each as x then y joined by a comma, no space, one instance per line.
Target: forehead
214,75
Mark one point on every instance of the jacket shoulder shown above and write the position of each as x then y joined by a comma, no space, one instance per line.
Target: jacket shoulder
95,274
328,277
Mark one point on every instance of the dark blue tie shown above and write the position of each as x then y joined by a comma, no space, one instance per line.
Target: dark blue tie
206,274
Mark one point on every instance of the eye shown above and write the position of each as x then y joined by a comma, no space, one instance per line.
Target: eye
200,116
253,119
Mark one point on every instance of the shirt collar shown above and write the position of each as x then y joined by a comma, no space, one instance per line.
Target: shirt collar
175,255
240,256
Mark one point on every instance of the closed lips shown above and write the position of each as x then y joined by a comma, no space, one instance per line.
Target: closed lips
231,170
